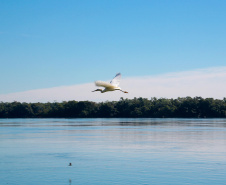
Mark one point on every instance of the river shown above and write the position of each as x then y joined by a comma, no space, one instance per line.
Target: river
112,151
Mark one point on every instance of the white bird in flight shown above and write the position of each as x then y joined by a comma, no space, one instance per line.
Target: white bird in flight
112,86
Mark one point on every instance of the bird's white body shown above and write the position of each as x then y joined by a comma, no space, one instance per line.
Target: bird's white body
108,86
112,86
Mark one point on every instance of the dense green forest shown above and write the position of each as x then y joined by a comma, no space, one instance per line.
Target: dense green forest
187,107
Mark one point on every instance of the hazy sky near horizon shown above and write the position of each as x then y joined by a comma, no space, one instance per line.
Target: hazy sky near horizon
53,43
207,83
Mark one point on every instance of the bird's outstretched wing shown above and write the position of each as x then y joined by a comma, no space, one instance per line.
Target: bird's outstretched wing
116,80
103,84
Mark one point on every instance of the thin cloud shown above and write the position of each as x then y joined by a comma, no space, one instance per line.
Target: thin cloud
208,82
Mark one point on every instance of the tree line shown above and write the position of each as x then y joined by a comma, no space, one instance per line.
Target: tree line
186,107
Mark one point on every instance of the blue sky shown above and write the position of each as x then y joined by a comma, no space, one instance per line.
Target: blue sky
50,43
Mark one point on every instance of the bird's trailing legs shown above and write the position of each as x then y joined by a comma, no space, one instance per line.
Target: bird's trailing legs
124,91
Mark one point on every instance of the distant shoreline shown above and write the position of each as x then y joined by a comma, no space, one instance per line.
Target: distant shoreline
187,107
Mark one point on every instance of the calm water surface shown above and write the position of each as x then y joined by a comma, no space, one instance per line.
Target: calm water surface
112,151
